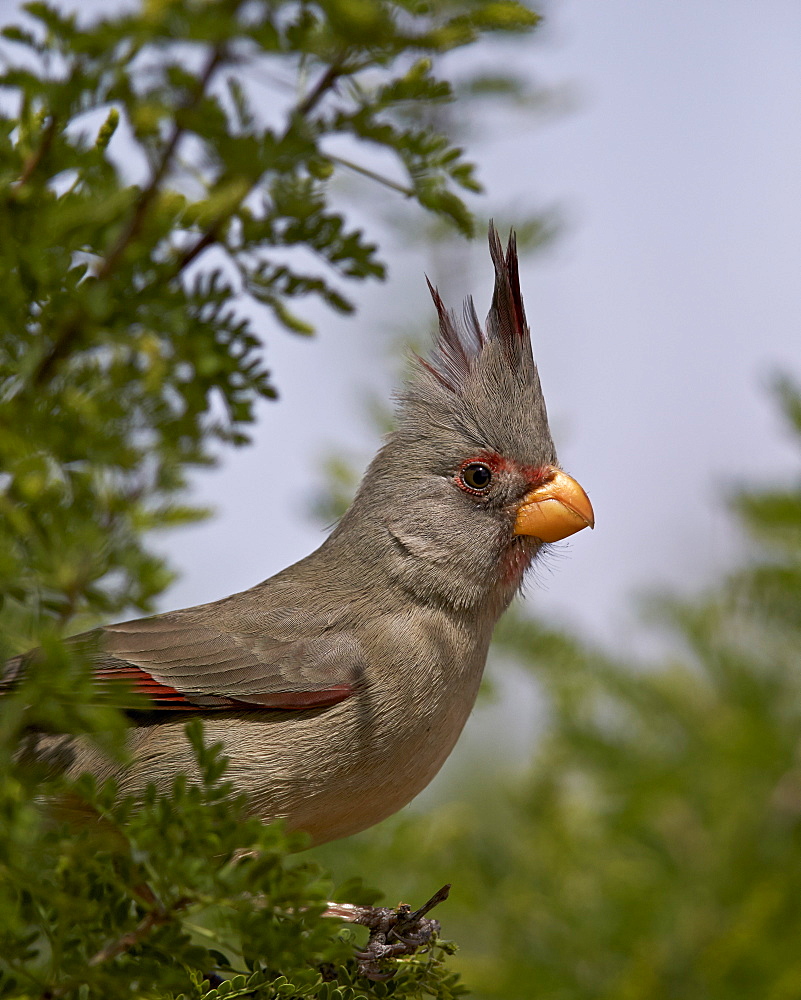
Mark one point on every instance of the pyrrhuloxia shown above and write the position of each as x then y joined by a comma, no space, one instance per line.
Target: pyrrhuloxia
339,686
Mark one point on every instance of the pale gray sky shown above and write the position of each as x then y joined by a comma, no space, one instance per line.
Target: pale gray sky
658,316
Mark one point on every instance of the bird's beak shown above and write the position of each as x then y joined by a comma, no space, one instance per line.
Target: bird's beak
554,510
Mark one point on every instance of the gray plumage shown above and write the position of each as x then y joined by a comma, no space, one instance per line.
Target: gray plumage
383,631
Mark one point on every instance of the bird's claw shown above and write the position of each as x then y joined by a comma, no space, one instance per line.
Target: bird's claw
394,933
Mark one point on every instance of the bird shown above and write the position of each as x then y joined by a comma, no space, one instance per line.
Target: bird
339,686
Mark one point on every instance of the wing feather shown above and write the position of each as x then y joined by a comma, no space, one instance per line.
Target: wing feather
184,664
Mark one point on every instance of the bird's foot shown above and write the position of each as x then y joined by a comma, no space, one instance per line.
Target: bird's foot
393,932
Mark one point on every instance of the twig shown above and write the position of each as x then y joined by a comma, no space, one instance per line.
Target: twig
33,161
143,204
393,185
143,928
324,84
152,919
205,241
157,916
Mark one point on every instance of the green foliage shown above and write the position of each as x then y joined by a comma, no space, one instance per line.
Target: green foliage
124,348
651,845
156,205
147,899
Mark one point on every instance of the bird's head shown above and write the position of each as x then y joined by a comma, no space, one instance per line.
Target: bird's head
467,490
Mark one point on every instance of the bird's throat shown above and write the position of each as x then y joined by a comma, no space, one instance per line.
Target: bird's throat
515,561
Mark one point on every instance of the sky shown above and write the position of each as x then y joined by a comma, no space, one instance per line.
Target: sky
660,315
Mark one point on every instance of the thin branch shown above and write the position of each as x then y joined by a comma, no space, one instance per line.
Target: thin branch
323,85
127,941
157,916
154,918
33,161
148,195
366,172
206,240
373,916
58,349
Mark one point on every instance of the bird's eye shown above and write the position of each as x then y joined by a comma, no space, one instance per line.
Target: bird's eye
476,476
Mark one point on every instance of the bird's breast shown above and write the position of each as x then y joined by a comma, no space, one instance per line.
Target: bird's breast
337,771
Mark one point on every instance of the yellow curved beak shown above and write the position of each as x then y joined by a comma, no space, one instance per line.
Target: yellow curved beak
554,510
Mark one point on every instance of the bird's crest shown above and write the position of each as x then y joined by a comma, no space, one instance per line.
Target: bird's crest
460,343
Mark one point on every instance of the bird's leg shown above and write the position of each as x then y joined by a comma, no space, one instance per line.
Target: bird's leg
393,932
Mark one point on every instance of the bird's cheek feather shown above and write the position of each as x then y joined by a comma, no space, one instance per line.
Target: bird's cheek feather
554,510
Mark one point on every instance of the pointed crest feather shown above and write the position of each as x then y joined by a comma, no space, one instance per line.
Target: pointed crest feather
460,343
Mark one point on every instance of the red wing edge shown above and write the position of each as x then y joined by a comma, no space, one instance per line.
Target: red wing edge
166,698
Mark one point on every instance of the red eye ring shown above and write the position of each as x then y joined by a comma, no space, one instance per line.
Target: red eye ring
475,477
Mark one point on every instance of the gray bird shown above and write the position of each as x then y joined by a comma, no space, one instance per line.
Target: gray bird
339,686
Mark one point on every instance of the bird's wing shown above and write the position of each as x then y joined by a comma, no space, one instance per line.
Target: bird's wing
182,664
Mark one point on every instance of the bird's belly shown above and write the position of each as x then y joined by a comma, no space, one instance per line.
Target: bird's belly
336,772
